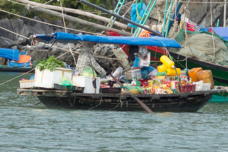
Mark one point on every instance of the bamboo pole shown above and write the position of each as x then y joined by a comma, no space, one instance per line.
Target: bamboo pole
119,16
81,21
140,102
74,11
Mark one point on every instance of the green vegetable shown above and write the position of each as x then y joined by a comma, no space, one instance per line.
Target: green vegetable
51,64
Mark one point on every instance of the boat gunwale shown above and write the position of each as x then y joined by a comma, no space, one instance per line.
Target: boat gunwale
217,66
65,93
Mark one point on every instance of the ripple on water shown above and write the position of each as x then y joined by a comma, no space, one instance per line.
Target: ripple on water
28,127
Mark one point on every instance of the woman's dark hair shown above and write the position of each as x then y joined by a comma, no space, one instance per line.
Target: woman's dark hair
133,49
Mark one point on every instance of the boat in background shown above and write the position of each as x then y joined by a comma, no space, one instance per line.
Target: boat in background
13,60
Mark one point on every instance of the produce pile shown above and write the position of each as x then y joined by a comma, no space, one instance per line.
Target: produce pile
166,79
141,79
51,64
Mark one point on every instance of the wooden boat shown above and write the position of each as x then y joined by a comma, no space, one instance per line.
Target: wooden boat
183,102
8,58
14,69
177,103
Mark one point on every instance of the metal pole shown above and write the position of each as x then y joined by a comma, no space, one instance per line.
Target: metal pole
118,16
224,17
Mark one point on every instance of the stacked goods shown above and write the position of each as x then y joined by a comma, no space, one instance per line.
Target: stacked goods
170,80
198,74
206,76
193,74
50,72
88,80
166,79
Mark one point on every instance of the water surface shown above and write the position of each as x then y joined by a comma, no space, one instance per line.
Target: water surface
27,126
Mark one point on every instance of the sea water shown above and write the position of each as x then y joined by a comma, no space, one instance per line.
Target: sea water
28,126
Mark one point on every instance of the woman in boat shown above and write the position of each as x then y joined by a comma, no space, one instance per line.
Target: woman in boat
141,60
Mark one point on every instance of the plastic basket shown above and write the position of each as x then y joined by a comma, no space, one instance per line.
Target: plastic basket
187,88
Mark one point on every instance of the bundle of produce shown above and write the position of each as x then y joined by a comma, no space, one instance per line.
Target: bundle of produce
50,64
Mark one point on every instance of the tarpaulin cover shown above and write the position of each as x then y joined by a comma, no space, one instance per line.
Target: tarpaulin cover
12,54
221,32
19,65
151,41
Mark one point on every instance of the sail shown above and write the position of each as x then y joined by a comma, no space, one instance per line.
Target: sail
71,38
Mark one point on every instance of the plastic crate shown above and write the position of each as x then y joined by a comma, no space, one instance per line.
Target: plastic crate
187,88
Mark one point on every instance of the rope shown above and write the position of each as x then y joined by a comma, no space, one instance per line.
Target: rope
98,56
200,2
146,15
1,84
128,9
64,23
43,3
13,32
14,78
185,25
213,39
20,16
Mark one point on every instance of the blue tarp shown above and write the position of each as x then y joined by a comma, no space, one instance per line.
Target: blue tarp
19,65
12,54
221,32
151,41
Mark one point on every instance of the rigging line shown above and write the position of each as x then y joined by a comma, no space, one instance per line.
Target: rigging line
98,56
64,23
213,40
79,31
10,80
19,76
200,2
42,3
20,16
185,32
128,9
1,84
13,32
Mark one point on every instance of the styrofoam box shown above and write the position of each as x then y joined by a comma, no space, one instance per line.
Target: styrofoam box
26,84
47,78
206,86
201,86
87,83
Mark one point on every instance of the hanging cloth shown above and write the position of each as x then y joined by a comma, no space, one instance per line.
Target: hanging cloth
137,12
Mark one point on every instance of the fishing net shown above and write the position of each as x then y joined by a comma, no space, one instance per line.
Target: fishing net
204,47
